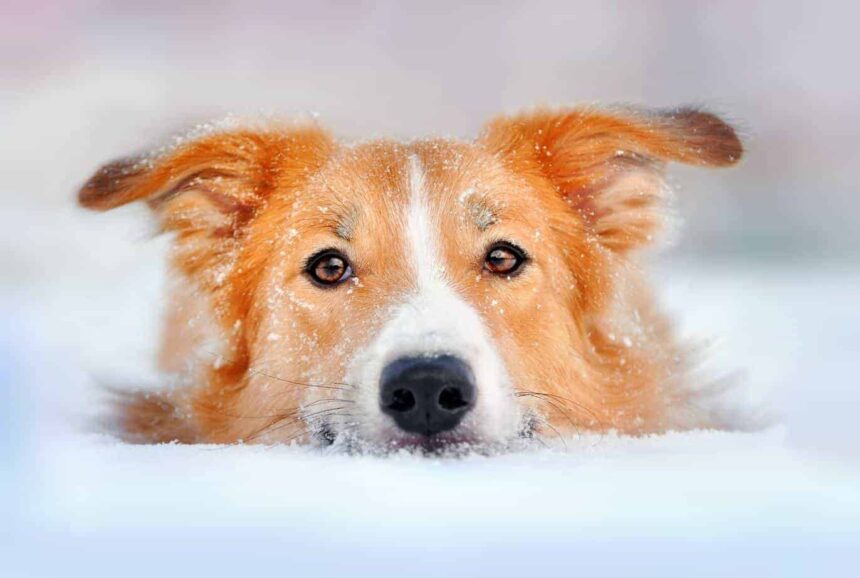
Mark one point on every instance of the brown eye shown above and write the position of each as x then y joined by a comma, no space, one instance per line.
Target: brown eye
504,259
329,268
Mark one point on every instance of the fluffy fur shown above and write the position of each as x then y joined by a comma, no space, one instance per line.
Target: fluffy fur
573,342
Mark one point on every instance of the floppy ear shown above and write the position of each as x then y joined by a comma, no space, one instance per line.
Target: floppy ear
214,181
608,164
207,189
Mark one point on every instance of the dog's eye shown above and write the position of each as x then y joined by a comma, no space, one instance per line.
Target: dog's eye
328,268
504,259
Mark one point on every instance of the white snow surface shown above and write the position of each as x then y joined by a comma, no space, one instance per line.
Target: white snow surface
83,309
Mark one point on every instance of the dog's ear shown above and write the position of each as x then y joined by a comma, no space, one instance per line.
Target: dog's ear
608,164
215,182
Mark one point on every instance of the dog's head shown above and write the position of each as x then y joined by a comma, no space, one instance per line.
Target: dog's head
423,293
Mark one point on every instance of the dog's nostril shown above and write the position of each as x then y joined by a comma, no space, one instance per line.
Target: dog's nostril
451,399
401,400
427,395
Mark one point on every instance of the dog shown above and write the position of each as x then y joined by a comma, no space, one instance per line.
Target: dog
417,295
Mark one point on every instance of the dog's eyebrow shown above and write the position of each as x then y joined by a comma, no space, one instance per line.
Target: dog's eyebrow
343,224
481,212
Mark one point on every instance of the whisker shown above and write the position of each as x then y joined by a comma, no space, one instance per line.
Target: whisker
561,398
333,385
294,420
553,404
578,405
306,432
532,436
328,399
557,433
236,416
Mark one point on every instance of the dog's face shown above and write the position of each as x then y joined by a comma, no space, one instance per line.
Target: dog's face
424,278
421,294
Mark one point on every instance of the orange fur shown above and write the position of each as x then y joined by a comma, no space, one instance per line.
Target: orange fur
580,335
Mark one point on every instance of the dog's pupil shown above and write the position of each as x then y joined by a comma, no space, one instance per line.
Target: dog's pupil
331,268
502,260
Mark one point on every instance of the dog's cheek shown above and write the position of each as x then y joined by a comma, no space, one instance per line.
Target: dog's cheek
534,324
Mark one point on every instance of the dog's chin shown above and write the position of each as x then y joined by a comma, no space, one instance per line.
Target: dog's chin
458,442
438,443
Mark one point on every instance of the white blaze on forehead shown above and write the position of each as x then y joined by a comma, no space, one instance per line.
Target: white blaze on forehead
421,230
433,319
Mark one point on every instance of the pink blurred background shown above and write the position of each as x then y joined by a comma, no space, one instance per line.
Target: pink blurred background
87,80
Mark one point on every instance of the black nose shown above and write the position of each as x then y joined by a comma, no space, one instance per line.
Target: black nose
427,395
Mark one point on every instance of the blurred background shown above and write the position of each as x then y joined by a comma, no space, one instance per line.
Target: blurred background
86,80
767,263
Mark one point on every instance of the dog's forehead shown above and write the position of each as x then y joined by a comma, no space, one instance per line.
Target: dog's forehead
456,178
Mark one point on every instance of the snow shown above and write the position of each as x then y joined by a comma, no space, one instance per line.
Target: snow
673,502
83,309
